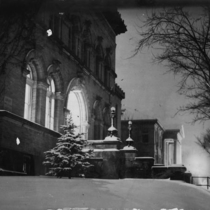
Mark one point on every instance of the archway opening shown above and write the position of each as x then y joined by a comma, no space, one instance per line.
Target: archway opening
77,107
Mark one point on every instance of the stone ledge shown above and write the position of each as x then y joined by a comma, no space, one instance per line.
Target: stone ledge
5,115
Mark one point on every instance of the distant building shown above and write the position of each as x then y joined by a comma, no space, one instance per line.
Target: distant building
158,149
148,138
70,68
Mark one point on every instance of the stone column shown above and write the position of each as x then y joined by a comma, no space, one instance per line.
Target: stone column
179,153
40,103
58,118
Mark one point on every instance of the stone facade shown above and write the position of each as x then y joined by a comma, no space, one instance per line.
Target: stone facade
72,71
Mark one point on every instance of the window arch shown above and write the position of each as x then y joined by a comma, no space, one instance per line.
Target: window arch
29,94
50,104
99,66
76,106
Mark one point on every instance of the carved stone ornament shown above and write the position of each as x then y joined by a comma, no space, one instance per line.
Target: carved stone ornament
108,57
99,48
86,34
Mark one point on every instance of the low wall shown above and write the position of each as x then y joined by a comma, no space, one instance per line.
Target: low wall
175,172
33,141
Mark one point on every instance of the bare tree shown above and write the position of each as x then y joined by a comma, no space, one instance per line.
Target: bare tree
183,42
204,141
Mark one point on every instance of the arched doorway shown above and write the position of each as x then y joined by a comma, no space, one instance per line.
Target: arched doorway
76,105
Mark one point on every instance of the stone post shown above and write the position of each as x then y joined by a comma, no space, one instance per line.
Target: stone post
111,153
129,154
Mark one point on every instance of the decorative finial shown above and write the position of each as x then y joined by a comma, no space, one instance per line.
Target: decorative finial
112,114
129,148
129,140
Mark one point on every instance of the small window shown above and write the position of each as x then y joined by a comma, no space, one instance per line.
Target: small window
70,38
145,136
87,57
99,69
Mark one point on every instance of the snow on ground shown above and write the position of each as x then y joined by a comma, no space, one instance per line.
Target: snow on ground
24,193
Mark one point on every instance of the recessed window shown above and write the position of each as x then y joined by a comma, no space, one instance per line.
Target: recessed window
145,136
78,47
87,55
70,38
99,69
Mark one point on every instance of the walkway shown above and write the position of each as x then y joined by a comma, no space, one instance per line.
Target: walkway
39,193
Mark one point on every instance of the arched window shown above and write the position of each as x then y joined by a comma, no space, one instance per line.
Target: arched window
77,107
28,94
50,104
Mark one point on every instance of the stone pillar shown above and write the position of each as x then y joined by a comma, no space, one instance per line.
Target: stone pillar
179,153
175,151
169,152
129,167
129,153
58,118
110,152
41,103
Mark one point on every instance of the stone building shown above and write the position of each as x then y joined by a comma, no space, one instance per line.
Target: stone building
70,69
159,150
147,136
